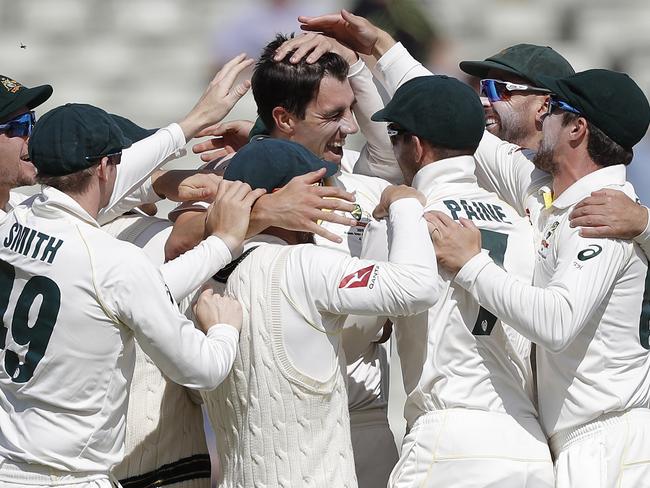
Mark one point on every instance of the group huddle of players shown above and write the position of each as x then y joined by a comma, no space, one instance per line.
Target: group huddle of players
492,236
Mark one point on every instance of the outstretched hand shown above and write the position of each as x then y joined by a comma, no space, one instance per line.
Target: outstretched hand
219,97
228,137
313,46
353,31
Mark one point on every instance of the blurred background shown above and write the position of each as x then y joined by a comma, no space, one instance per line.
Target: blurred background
150,60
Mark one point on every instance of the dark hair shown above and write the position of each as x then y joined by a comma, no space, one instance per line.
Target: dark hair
602,150
292,86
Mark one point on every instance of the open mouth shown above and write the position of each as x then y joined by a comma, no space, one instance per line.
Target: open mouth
335,148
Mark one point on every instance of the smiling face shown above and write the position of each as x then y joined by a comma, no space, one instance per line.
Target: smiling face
513,120
14,170
328,120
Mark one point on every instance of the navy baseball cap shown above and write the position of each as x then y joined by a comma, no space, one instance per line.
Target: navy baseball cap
271,163
14,95
527,61
611,101
440,109
73,137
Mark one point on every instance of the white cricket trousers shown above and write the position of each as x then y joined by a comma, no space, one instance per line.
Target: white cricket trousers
462,448
19,475
612,451
375,452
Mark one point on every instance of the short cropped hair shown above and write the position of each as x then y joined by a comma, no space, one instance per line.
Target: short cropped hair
73,183
291,86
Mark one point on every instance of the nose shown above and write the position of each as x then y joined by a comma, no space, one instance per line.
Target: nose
348,125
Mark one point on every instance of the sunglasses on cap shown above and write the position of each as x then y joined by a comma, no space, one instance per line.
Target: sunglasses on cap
555,103
394,131
20,126
498,91
113,158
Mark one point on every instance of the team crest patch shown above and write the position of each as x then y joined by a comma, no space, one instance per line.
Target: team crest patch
358,279
549,233
12,86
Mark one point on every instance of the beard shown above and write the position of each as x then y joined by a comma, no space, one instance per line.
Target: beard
511,127
545,158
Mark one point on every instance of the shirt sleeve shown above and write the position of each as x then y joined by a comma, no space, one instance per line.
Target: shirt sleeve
552,316
507,170
192,268
643,239
396,67
406,284
182,352
377,157
133,182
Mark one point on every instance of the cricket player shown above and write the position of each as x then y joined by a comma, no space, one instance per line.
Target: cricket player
73,300
312,104
586,309
282,417
461,374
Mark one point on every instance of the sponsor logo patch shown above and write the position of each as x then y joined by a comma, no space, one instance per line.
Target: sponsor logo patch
358,279
591,252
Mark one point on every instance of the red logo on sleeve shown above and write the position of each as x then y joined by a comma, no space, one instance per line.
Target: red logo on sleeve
358,279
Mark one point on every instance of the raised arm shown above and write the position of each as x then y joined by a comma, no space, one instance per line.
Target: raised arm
133,185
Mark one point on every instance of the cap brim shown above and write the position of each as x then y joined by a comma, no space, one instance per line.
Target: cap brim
131,130
480,68
551,83
29,97
380,116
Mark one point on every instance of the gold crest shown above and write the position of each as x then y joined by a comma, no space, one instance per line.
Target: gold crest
12,86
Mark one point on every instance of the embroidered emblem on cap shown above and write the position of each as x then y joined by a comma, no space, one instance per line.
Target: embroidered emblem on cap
10,85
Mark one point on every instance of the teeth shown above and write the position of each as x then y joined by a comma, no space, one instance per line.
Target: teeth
335,144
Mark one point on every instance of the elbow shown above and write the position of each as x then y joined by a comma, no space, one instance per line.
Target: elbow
423,296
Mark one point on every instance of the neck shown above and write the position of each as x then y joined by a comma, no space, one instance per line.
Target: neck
531,141
570,168
89,200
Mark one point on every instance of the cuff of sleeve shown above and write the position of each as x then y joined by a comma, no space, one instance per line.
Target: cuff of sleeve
396,52
147,193
224,331
177,136
219,247
645,235
411,206
468,273
356,68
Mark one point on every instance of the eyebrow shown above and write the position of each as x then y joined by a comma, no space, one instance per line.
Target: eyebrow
338,110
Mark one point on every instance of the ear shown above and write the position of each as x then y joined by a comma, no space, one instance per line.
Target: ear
284,120
542,110
102,169
578,130
418,148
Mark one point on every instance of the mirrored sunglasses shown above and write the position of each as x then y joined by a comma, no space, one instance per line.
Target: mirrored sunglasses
498,91
20,126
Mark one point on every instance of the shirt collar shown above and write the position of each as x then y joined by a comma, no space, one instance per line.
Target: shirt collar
609,176
51,202
459,169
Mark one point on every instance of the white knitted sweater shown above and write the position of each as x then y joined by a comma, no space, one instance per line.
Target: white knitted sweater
275,426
